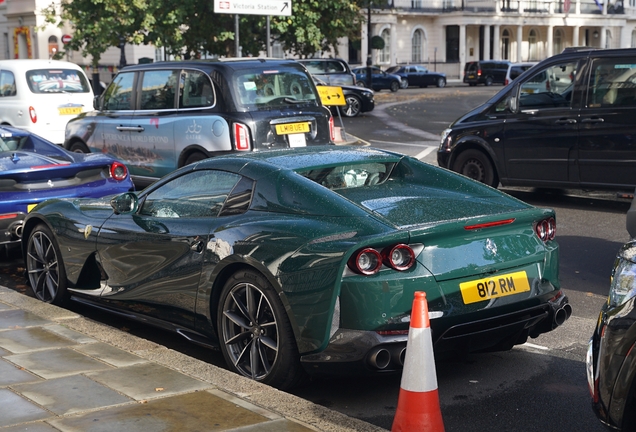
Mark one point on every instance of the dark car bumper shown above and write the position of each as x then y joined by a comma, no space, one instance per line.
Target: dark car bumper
443,159
611,366
11,228
360,352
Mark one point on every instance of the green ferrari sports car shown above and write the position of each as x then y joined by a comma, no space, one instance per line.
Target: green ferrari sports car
306,260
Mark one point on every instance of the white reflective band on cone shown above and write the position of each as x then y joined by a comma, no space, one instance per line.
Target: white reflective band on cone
419,371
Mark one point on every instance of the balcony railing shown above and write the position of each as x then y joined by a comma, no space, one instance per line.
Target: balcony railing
512,6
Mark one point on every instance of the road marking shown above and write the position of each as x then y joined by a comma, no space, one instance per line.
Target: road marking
531,345
425,152
410,144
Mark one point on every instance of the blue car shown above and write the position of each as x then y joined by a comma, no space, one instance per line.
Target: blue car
33,170
379,79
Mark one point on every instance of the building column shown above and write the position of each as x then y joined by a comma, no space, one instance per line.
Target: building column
550,47
462,48
495,43
575,35
394,37
487,42
603,37
519,43
364,43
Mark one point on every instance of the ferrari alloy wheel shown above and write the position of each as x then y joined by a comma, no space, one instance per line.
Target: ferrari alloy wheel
44,266
353,106
476,165
255,334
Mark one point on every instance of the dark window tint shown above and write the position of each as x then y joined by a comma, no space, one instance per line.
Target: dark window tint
613,83
195,194
7,83
57,81
158,89
118,95
196,90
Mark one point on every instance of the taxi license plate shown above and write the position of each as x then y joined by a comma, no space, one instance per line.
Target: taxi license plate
471,76
292,128
69,110
493,287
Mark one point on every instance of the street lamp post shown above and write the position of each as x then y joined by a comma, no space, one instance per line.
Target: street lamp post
369,80
122,54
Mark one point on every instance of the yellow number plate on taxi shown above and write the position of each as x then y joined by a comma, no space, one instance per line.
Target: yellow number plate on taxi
493,287
292,128
69,110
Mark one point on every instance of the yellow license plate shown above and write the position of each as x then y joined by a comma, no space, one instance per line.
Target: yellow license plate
292,128
69,110
493,287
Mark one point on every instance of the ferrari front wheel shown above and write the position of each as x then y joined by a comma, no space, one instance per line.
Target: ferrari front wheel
255,334
45,268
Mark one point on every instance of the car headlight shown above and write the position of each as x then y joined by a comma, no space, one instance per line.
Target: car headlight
444,144
623,284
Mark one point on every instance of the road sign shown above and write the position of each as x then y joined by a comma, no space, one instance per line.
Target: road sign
66,39
331,96
254,7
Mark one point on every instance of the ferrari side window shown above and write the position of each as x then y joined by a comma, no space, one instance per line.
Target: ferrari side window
195,194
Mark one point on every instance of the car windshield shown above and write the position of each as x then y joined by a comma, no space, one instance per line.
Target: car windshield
350,175
57,81
12,142
394,69
263,90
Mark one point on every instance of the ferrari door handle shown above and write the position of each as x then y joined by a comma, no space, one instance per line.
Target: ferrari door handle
566,121
593,120
196,246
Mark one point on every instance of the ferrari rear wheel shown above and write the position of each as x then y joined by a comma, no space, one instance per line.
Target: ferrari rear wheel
256,337
45,268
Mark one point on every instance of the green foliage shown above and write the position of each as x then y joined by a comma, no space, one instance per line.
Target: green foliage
377,42
190,28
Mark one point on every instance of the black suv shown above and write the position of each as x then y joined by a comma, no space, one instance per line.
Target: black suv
486,72
568,122
158,117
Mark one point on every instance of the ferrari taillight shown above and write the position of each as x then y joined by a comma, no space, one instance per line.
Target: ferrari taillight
546,229
118,171
33,115
368,261
241,137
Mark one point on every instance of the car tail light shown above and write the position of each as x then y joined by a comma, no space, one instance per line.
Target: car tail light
241,137
547,85
9,216
400,257
478,72
546,229
33,115
118,171
506,82
489,224
332,129
366,261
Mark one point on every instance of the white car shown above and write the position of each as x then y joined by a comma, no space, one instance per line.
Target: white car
41,96
516,69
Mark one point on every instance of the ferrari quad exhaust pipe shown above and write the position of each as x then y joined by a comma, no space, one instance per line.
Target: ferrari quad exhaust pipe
16,229
562,314
379,358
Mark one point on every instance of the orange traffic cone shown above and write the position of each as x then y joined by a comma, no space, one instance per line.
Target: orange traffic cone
418,404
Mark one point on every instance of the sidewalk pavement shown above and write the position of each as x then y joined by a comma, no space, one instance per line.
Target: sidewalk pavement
60,371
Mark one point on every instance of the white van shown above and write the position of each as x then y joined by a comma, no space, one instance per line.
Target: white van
41,96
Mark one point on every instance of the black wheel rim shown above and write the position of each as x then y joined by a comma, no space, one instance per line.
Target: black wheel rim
474,169
43,267
353,107
250,331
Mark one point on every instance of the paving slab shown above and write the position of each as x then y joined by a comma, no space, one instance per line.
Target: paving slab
147,381
56,363
192,412
110,354
73,335
31,427
31,339
14,409
71,394
11,374
16,318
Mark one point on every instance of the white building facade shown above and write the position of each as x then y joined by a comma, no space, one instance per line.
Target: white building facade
445,34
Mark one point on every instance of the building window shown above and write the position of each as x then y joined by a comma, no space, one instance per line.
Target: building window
416,46
385,53
558,41
416,4
505,45
53,46
533,54
452,43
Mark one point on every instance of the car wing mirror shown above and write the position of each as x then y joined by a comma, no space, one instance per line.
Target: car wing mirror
125,203
513,100
97,105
